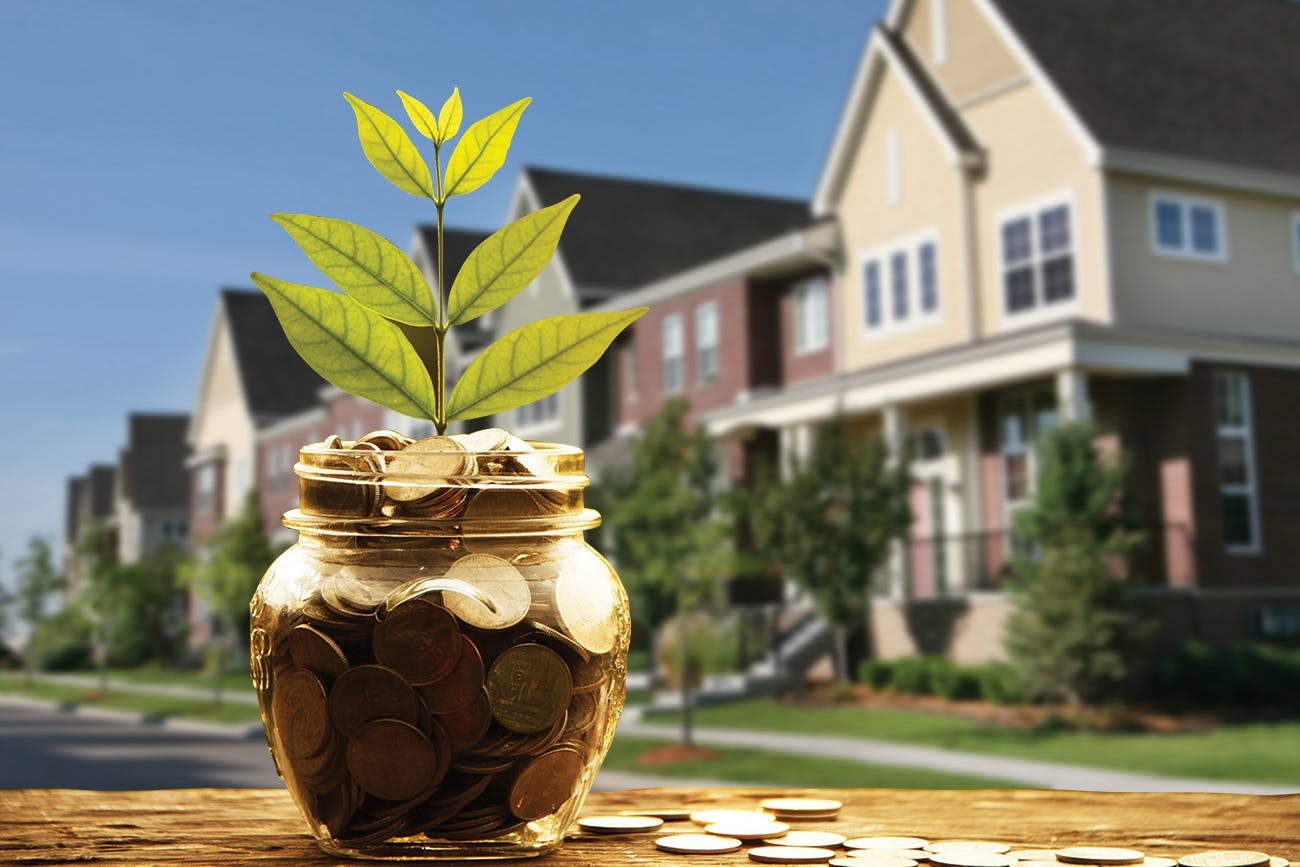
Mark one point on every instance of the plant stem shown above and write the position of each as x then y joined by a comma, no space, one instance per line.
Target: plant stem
440,332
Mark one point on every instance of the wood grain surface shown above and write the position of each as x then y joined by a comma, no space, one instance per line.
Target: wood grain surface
260,826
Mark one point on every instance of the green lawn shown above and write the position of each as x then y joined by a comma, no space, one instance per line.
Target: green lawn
238,679
1260,752
161,706
758,766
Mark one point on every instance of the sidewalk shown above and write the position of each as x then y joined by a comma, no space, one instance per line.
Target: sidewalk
1022,772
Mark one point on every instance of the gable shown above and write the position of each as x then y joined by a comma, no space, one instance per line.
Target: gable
974,60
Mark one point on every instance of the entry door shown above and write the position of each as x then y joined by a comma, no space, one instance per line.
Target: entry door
935,550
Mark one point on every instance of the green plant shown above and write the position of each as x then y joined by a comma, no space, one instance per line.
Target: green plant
711,648
914,675
876,673
63,641
353,339
999,683
954,682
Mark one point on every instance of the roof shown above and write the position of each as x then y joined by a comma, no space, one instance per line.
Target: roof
152,466
626,233
276,381
100,481
943,112
72,506
1212,80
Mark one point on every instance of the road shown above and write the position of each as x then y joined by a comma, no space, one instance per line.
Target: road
51,749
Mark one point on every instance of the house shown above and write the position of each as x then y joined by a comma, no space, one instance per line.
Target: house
1082,209
89,500
151,497
628,235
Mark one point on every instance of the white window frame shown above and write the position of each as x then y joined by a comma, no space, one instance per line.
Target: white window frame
1042,311
810,332
672,354
538,416
1295,240
1246,433
883,255
705,376
1185,204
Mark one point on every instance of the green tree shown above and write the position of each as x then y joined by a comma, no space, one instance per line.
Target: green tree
672,539
828,525
226,576
1072,631
97,561
35,580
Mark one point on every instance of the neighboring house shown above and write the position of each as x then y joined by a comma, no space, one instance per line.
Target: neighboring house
89,500
626,235
1082,209
152,492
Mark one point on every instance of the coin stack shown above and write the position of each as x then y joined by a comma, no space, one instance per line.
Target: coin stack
458,695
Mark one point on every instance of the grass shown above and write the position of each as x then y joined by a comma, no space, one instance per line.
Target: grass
152,705
782,769
1258,752
236,680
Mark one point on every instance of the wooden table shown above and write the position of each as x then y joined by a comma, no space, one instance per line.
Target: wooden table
257,826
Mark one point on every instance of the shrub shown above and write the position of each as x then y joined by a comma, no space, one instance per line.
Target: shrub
954,682
1243,675
999,683
914,675
876,673
62,642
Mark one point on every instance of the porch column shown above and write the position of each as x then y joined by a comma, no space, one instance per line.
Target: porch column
893,424
1072,395
795,445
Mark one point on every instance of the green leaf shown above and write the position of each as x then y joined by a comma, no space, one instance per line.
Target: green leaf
449,116
534,361
420,115
482,150
390,149
359,351
365,265
507,261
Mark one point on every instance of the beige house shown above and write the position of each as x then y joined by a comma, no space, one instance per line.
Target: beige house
1068,210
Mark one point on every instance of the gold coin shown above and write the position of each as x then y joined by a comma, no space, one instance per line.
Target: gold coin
801,805
370,692
388,440
791,854
300,713
668,814
748,829
460,686
430,458
419,640
888,843
489,439
505,589
878,858
585,604
307,647
1099,855
546,783
970,858
697,844
913,854
620,824
1278,861
528,688
808,839
1225,858
1034,854
968,846
392,760
711,817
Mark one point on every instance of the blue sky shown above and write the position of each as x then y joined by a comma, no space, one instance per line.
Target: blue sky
142,145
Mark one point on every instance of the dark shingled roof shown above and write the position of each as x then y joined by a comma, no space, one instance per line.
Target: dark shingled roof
153,463
72,514
1205,79
627,233
276,381
101,480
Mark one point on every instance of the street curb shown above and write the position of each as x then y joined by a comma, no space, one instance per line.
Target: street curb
235,731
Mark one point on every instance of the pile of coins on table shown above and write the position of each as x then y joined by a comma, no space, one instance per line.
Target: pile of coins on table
768,832
459,700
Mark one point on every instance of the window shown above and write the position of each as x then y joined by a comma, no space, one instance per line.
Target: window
1037,259
1236,455
911,293
927,444
541,412
672,350
706,342
1023,418
629,372
205,485
810,333
1188,227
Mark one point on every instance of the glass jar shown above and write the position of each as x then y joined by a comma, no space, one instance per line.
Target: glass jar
441,659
